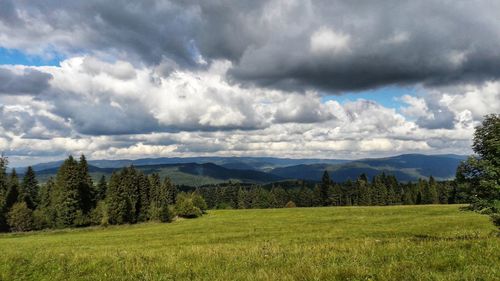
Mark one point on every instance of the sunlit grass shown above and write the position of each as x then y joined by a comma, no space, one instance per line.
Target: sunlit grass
344,243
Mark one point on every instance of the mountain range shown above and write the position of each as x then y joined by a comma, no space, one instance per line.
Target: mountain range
195,171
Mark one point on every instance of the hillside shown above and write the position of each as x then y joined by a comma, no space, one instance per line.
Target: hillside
407,167
191,174
348,243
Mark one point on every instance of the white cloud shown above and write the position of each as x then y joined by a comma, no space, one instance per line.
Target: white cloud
140,111
327,41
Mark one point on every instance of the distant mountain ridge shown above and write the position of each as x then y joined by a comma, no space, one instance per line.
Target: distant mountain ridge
209,170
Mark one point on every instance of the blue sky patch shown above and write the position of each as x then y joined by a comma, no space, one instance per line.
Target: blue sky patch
13,56
386,96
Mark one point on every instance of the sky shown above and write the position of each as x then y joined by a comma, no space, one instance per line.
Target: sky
302,79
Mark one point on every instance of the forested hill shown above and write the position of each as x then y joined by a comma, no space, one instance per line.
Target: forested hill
192,174
408,167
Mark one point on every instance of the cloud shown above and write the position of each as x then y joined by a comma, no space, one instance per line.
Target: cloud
27,82
332,45
170,78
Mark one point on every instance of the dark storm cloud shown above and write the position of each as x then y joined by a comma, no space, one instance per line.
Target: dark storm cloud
269,42
29,82
101,117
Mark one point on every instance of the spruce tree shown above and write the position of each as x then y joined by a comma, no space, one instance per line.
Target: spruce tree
144,197
12,196
363,189
29,189
324,189
3,192
117,201
67,201
171,191
101,188
379,191
334,195
429,192
45,213
305,197
85,186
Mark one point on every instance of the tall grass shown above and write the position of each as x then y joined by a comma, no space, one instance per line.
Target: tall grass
343,243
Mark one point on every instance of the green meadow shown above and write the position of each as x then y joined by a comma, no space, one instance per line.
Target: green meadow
438,242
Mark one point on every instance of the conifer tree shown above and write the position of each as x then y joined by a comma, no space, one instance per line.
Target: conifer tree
429,192
67,200
117,200
3,192
12,196
171,191
29,189
45,214
144,202
379,191
324,189
101,188
363,189
278,197
334,195
85,186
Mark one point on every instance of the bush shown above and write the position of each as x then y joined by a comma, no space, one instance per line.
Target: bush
160,213
496,219
185,207
290,204
165,215
41,219
99,215
20,217
199,202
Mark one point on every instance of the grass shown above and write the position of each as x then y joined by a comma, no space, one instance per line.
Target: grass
343,243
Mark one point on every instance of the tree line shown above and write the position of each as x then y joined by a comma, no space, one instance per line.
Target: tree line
381,190
71,199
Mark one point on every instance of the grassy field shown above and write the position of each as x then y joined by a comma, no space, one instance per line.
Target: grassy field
344,243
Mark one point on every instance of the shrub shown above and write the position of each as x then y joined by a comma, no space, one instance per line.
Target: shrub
41,219
99,215
199,202
186,208
496,219
160,213
290,204
20,217
165,215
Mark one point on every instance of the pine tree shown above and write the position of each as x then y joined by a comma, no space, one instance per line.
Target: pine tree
144,197
334,195
171,191
278,197
101,188
3,192
29,189
429,192
67,201
363,190
379,191
45,214
117,201
12,196
324,189
85,186
305,197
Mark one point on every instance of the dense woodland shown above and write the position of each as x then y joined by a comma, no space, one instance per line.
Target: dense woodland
71,199
381,190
